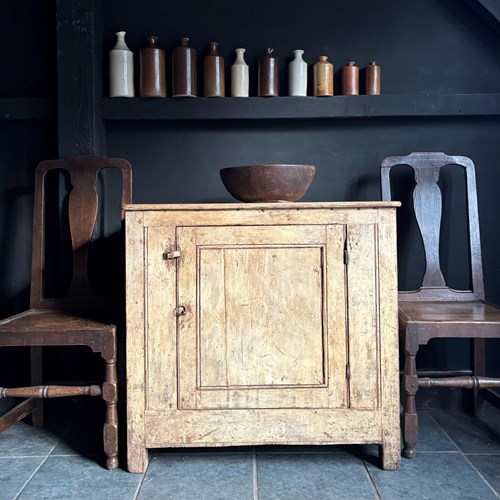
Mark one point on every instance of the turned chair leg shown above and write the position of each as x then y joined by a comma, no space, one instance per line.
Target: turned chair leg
410,417
110,430
36,379
478,363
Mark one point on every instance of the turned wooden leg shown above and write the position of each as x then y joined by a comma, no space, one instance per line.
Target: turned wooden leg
36,379
110,431
478,363
410,418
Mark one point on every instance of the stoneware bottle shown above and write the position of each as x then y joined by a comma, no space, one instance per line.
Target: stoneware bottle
297,75
239,75
152,65
184,76
373,79
350,79
323,77
268,76
214,73
121,68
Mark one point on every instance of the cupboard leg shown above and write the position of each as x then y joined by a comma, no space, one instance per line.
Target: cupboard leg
390,455
137,459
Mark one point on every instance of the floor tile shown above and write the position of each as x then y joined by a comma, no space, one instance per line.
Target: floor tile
312,476
432,476
14,472
471,435
80,478
431,436
489,467
214,476
23,440
83,438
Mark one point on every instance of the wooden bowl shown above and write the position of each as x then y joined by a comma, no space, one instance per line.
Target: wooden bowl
271,182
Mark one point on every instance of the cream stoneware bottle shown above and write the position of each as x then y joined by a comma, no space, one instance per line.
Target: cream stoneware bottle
121,68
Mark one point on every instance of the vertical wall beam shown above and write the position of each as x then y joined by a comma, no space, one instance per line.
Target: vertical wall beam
79,79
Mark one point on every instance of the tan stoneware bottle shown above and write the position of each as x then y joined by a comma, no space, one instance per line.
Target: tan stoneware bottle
350,79
268,75
323,77
214,73
373,79
152,69
184,76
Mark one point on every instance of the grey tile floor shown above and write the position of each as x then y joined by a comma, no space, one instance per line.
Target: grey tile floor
458,458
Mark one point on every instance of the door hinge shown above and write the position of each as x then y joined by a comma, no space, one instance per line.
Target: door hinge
346,256
172,255
348,371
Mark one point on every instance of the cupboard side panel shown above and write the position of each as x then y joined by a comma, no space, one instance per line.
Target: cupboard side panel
135,320
362,277
389,372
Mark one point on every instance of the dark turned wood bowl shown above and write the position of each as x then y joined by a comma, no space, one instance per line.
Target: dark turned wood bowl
271,182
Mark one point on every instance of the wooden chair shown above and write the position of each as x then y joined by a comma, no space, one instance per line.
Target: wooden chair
80,317
435,310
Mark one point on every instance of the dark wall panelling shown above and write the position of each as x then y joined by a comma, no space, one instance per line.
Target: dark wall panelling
440,74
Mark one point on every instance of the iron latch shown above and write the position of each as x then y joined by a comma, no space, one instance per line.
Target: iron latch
172,255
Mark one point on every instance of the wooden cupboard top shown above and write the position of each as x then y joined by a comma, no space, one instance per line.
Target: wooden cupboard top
263,206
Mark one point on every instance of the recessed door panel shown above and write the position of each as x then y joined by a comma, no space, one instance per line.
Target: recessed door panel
262,329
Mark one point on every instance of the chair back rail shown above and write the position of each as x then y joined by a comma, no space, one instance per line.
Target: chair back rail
82,213
427,205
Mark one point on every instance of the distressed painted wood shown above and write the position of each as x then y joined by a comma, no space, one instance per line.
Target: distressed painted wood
258,324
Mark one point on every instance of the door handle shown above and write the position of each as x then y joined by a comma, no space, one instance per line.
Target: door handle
180,310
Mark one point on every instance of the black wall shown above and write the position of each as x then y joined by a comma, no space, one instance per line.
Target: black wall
424,47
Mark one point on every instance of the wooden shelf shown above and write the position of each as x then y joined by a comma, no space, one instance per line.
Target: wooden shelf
27,109
260,108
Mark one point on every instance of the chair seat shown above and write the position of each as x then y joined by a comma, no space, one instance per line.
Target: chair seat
52,327
447,319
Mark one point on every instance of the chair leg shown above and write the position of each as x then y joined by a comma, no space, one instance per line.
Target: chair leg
478,362
36,379
410,417
110,430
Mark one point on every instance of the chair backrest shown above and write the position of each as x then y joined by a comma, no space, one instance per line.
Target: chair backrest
427,207
80,214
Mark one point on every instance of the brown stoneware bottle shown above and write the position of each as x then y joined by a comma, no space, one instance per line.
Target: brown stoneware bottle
152,66
268,77
323,77
184,74
350,79
214,73
373,79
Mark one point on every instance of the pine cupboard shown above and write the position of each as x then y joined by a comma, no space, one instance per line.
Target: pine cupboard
254,324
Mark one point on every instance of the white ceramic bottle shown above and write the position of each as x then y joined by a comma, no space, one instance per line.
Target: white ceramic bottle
121,68
239,75
297,75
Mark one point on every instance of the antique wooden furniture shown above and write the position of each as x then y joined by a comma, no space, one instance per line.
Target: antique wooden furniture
435,310
265,323
78,318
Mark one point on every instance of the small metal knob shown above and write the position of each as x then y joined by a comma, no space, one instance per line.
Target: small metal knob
180,310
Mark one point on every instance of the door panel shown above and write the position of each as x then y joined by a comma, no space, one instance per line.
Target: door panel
241,345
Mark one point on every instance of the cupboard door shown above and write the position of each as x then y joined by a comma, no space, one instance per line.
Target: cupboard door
263,321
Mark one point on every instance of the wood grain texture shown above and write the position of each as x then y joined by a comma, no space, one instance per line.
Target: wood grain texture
262,325
435,310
